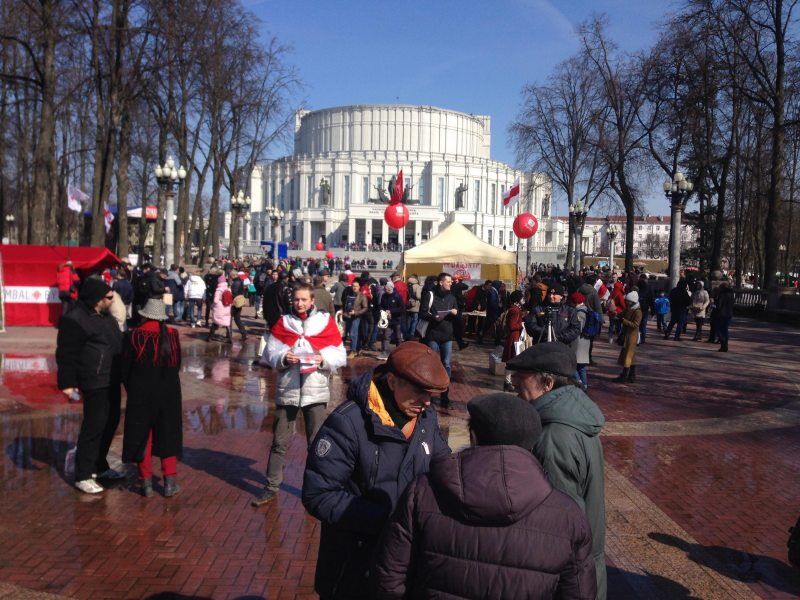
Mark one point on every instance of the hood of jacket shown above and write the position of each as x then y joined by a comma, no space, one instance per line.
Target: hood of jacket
490,485
587,289
568,405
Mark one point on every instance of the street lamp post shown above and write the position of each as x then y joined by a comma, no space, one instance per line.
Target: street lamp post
10,228
785,264
169,179
677,190
275,216
240,204
578,213
612,232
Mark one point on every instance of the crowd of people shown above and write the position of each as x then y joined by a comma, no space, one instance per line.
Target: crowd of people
401,514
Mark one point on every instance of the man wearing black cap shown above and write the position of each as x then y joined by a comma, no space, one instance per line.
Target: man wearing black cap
569,447
363,457
87,353
490,512
564,319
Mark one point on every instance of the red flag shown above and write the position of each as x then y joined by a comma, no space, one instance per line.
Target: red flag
397,192
512,195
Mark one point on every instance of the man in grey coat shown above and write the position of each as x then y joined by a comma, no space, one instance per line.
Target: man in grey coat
569,447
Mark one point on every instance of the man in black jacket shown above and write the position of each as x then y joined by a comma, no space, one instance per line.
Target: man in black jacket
440,310
210,279
364,456
88,357
564,319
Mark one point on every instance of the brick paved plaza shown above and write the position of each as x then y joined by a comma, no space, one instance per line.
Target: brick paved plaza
702,477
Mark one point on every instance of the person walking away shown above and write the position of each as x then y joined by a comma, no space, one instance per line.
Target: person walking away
322,297
646,300
662,309
724,312
337,291
124,288
68,282
195,291
679,302
393,304
239,291
356,307
306,349
569,448
514,326
488,511
210,279
591,291
631,320
412,307
153,413
261,281
221,310
273,307
439,310
583,343
364,456
700,303
492,310
88,350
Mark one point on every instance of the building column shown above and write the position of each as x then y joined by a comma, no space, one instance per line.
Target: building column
384,232
351,230
417,233
306,243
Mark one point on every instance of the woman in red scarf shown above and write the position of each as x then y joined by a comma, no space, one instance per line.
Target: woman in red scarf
153,413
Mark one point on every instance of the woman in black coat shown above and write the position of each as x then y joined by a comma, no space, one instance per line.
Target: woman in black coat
153,414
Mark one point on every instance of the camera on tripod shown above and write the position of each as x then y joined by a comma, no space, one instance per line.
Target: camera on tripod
550,314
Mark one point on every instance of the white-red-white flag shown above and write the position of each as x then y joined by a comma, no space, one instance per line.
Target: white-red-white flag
75,197
511,197
107,217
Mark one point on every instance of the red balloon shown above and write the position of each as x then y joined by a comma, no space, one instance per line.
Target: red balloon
320,246
396,215
329,254
525,225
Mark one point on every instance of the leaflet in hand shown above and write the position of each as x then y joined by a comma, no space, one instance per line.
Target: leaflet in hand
442,313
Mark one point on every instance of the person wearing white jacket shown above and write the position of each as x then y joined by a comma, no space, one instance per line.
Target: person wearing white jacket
305,348
195,291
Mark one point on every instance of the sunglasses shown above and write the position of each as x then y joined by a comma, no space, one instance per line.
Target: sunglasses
111,297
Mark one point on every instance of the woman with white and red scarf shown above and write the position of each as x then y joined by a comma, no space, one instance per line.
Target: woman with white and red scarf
305,348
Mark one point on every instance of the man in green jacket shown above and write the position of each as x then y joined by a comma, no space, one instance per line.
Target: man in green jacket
569,447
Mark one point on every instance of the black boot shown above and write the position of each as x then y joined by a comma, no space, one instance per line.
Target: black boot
171,486
623,377
632,374
723,346
444,399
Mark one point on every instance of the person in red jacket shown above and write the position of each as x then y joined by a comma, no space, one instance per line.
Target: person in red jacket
486,522
67,281
615,307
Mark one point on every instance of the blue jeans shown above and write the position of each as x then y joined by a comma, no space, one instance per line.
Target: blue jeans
177,310
412,319
192,310
643,326
445,350
580,375
676,319
354,340
660,322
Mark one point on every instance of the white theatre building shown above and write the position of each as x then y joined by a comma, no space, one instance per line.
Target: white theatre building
326,188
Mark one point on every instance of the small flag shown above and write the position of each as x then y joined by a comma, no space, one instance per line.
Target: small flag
397,192
511,197
107,217
75,197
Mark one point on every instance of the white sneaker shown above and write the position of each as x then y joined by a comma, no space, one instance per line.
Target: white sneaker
89,486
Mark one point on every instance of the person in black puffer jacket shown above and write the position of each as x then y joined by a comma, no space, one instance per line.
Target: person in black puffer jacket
486,522
210,279
363,457
440,310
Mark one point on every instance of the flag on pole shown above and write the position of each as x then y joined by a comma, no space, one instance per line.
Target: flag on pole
75,197
511,197
107,217
397,192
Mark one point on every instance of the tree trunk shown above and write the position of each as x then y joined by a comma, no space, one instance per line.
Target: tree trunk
123,184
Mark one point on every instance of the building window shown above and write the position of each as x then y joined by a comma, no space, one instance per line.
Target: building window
440,193
489,236
493,199
421,192
409,183
502,195
511,239
273,198
291,193
345,191
365,195
380,182
310,187
500,238
476,194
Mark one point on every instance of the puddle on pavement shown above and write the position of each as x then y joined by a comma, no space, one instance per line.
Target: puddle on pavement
28,378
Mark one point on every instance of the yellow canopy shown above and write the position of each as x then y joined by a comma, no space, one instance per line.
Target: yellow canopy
456,243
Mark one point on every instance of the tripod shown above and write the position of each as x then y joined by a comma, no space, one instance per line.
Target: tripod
548,332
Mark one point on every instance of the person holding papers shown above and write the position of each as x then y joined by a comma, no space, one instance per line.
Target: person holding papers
305,348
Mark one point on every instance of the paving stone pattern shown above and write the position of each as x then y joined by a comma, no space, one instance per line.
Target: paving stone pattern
702,476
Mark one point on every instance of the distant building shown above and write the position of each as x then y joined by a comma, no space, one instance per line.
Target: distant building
650,236
342,155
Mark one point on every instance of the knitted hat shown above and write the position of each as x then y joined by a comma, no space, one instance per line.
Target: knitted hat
632,297
500,419
389,287
92,291
577,298
556,288
154,309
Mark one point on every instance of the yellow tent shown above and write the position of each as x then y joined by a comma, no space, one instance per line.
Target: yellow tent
457,244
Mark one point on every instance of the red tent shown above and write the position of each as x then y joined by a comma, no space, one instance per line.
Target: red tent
30,295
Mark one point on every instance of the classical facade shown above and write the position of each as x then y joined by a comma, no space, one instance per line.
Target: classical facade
328,188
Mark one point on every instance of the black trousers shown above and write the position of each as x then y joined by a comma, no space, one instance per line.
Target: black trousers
236,313
458,329
100,421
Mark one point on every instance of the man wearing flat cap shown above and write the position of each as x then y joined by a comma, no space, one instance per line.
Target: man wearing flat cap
364,456
88,351
569,447
566,327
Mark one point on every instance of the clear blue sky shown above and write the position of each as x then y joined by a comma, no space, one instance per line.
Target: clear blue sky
467,55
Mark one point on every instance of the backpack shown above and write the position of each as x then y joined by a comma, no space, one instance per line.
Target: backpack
226,298
593,325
